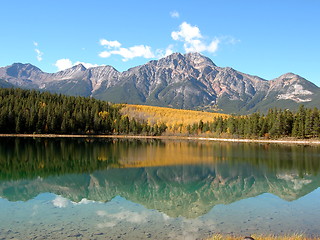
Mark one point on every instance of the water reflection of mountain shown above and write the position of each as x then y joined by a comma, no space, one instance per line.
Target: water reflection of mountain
188,191
178,178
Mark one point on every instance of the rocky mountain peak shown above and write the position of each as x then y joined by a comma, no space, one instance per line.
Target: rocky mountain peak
79,67
24,67
288,76
175,55
103,67
22,70
173,60
197,59
74,69
178,60
293,87
290,79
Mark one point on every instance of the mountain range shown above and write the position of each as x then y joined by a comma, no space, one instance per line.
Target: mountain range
189,81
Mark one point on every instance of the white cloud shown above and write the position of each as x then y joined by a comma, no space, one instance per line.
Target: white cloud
190,36
192,39
66,63
229,40
104,54
169,50
126,53
213,46
174,14
39,53
60,202
186,33
63,64
133,52
110,44
194,45
160,53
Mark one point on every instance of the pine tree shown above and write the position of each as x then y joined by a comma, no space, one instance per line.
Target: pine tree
287,123
309,123
316,123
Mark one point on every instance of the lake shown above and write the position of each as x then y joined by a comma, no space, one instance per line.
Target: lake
156,189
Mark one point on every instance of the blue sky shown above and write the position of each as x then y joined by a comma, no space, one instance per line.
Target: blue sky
264,38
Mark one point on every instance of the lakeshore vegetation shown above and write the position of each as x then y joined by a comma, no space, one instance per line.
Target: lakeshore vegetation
30,111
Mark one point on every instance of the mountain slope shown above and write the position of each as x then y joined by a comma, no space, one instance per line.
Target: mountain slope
190,81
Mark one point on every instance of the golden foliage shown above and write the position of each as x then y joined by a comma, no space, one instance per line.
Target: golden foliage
175,119
103,114
42,104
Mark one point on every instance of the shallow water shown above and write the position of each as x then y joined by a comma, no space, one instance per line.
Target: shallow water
133,189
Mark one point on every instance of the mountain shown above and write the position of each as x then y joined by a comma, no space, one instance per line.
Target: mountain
189,81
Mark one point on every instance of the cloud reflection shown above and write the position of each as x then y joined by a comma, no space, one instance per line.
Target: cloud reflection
101,213
123,215
60,202
83,201
107,225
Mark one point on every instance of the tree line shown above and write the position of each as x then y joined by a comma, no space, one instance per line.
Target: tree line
305,123
30,111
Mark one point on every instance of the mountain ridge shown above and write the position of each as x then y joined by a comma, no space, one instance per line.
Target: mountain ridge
185,81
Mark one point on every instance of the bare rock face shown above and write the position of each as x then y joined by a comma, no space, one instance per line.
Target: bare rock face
189,81
293,87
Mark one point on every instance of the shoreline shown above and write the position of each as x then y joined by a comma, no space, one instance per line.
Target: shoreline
235,140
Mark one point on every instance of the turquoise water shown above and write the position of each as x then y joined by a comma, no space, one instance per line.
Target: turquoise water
108,189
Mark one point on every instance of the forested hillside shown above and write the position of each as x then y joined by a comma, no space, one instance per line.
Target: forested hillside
29,111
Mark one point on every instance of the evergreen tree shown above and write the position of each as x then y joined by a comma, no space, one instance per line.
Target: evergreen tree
316,123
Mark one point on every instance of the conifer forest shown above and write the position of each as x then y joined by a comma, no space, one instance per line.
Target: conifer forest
30,111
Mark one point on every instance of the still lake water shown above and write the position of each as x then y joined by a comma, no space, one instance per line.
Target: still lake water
153,189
